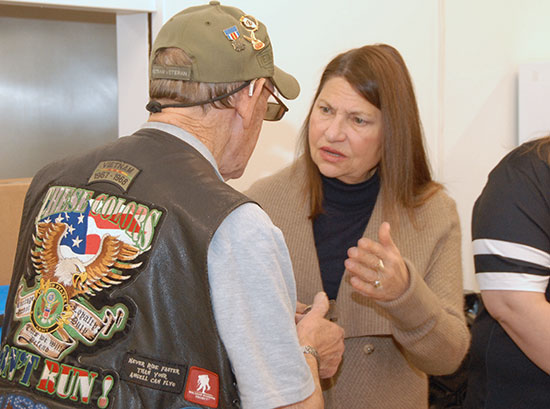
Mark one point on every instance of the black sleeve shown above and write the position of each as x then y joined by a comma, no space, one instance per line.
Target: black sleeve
511,218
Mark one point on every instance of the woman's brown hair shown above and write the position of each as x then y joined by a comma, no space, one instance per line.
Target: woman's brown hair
379,74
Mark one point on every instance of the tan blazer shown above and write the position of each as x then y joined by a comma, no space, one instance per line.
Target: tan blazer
390,346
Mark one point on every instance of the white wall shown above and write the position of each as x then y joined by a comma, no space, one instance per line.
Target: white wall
533,87
132,71
485,43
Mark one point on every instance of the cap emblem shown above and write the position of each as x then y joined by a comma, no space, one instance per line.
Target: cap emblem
233,35
251,25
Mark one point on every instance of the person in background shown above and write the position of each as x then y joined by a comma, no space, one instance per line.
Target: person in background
143,280
510,353
365,222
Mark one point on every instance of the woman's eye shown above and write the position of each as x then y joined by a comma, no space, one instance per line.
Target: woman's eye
359,121
324,109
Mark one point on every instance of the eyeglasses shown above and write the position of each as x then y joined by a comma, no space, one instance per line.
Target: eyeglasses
275,110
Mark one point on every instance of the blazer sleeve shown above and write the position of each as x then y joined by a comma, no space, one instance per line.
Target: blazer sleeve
428,319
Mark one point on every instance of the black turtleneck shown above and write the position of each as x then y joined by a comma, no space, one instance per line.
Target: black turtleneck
347,210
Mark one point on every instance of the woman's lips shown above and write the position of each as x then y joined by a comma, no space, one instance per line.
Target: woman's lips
330,154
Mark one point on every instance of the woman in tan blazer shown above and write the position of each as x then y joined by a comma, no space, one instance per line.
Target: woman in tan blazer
365,222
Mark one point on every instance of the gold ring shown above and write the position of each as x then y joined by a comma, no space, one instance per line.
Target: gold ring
377,284
380,264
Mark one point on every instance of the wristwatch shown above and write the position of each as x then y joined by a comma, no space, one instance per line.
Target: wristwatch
308,349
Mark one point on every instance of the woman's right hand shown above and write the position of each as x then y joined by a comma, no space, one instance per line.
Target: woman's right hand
377,268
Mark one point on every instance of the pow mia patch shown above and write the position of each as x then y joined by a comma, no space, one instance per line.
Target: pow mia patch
116,172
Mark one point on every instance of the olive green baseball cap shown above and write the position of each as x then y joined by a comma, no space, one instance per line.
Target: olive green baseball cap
225,45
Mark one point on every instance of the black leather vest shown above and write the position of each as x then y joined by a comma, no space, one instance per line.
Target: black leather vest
109,303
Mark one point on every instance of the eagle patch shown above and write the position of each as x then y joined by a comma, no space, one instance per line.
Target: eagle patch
85,244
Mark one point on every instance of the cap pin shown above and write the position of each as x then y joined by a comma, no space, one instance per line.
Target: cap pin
251,24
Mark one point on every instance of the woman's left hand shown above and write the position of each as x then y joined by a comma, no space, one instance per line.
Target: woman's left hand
377,268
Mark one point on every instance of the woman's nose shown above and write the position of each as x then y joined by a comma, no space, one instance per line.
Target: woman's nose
335,130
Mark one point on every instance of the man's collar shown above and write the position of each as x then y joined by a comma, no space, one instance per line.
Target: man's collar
187,138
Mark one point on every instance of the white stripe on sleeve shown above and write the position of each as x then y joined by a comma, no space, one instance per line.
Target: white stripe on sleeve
512,281
511,250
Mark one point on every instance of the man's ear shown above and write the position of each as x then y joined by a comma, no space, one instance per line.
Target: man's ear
246,103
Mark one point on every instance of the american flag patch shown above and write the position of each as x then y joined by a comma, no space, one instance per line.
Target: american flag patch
231,33
85,231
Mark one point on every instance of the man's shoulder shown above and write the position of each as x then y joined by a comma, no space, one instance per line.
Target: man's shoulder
246,220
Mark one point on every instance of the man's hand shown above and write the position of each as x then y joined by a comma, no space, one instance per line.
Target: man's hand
325,336
301,311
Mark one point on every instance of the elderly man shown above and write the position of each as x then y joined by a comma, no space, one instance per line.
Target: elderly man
141,279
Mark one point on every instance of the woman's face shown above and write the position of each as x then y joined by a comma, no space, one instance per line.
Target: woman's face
345,133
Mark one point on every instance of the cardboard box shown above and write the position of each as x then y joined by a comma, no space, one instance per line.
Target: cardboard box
12,196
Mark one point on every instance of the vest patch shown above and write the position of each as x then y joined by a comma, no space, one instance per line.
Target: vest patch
19,402
85,245
154,374
202,387
65,382
116,172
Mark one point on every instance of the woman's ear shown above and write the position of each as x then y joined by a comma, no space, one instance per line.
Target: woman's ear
248,99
